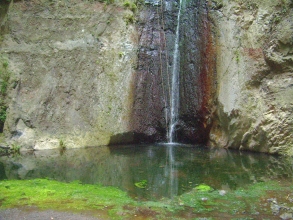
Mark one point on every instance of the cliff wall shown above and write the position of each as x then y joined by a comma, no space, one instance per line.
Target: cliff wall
72,64
254,75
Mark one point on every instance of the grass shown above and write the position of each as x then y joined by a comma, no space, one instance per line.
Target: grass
74,196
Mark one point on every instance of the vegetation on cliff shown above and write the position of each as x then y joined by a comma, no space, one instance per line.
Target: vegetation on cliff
4,83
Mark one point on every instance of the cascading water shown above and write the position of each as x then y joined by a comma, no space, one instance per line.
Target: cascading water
174,98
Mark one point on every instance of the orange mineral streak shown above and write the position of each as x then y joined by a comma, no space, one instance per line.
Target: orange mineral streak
207,75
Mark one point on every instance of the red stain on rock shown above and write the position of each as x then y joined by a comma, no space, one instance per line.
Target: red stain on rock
254,53
152,80
202,87
207,79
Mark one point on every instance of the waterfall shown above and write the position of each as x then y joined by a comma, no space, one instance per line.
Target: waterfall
174,99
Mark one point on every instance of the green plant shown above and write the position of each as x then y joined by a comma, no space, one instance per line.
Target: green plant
3,89
121,54
129,19
62,145
133,7
5,64
15,149
107,1
2,151
237,56
4,84
2,112
129,5
4,77
276,18
126,4
110,19
141,184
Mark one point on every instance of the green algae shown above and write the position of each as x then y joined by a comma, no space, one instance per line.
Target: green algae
141,184
74,196
241,200
204,188
45,193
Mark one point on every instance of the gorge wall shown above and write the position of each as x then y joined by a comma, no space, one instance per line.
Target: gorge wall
89,73
71,65
254,75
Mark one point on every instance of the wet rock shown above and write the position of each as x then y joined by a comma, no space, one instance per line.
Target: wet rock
150,92
222,192
151,108
204,199
286,216
275,209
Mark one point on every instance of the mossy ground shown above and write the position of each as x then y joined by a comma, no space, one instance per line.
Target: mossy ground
77,197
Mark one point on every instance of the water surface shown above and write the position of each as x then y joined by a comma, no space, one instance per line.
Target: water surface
167,170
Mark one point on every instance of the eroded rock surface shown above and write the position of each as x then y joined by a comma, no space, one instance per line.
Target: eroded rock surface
73,64
255,75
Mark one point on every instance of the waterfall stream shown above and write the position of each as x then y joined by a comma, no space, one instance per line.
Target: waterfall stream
174,99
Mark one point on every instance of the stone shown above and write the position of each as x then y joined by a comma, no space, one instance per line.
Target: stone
286,216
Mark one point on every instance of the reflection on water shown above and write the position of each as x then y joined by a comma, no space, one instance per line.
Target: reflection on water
169,170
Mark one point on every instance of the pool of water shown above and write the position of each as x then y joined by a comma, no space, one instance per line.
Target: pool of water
149,172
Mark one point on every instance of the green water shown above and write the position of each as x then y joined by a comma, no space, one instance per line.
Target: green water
150,172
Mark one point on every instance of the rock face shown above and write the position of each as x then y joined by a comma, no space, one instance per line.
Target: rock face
197,74
73,64
254,75
157,31
83,74
150,97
